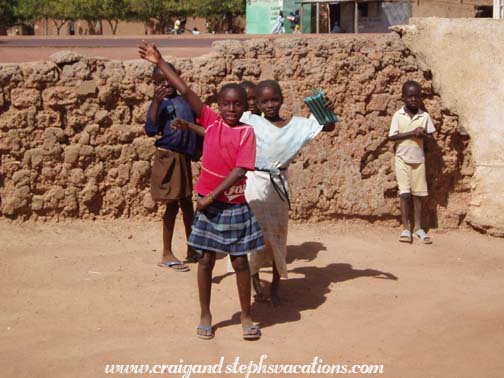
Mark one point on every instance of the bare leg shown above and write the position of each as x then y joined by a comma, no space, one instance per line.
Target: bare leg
417,206
241,267
186,205
205,267
405,210
258,288
275,287
168,225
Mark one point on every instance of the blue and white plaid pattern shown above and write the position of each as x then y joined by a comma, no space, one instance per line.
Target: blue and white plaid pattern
227,228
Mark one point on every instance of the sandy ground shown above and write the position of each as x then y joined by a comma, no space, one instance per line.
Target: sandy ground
77,296
13,50
35,54
39,48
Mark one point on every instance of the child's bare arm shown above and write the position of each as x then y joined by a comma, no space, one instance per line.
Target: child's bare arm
149,52
419,132
230,180
181,124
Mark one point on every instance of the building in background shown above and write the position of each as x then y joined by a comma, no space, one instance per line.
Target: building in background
319,16
453,8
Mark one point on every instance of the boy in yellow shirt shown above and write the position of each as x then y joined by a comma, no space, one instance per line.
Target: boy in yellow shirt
409,127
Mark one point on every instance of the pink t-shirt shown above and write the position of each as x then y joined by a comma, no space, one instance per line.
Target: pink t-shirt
225,148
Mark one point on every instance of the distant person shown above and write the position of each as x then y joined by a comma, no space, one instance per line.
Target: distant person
295,21
195,31
409,128
171,178
176,27
336,28
71,28
279,28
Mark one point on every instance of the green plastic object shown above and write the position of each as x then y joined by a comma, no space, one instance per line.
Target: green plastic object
316,105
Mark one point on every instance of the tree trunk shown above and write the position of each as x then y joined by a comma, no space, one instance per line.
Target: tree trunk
229,19
113,25
59,26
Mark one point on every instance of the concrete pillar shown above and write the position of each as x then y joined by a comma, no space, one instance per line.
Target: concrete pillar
318,18
356,17
497,9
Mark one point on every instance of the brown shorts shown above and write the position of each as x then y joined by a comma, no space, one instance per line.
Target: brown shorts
171,178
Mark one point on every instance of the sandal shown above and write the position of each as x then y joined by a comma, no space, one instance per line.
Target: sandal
405,236
422,236
251,332
177,266
205,332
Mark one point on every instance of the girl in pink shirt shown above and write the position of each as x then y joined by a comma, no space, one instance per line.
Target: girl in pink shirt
223,221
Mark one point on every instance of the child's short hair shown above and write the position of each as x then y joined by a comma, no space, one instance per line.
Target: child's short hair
156,69
272,84
410,83
233,86
247,84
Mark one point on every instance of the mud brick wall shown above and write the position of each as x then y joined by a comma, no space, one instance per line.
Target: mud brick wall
72,143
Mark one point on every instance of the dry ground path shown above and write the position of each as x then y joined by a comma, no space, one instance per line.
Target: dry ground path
30,48
76,296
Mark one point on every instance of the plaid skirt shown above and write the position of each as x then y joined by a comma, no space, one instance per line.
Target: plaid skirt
226,228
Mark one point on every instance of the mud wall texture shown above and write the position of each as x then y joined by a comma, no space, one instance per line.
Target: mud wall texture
466,58
72,142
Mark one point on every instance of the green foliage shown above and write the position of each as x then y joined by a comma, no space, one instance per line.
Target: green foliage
215,11
31,10
162,12
7,12
209,8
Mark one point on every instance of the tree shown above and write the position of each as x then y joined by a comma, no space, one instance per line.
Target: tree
213,10
112,11
7,12
162,11
32,10
89,11
61,11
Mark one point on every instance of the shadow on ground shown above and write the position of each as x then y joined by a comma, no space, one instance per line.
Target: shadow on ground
304,293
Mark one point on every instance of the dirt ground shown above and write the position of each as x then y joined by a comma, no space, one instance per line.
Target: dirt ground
78,296
35,54
112,47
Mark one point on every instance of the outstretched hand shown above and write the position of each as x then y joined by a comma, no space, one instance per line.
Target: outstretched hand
179,124
149,52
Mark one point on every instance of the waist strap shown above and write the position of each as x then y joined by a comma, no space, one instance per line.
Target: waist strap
281,191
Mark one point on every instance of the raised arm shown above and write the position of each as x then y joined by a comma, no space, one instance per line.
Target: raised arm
149,52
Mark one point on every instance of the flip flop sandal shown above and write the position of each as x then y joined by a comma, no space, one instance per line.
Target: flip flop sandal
251,332
205,332
422,236
405,236
173,265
